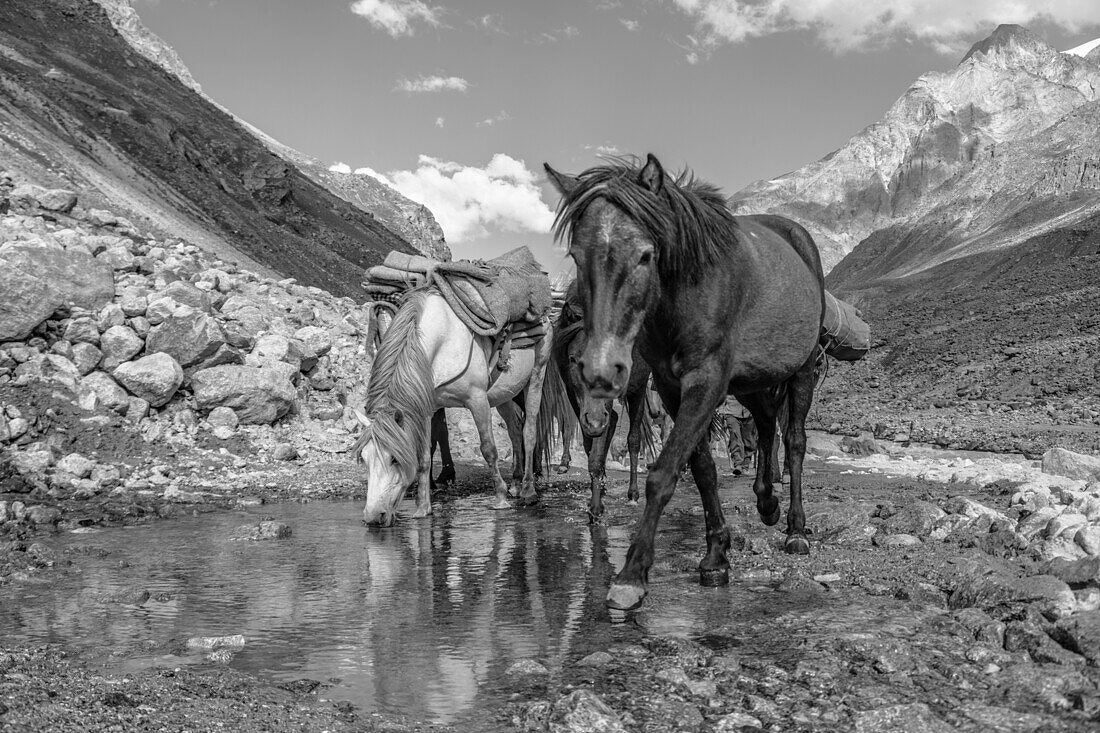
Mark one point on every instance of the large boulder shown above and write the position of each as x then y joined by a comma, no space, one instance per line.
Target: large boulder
258,395
107,391
119,344
997,590
26,303
188,336
76,277
1062,462
154,378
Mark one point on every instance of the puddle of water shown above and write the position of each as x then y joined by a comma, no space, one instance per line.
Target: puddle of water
422,619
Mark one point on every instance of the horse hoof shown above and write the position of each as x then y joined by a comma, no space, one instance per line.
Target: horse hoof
625,597
796,544
501,503
563,468
421,513
773,517
714,578
632,502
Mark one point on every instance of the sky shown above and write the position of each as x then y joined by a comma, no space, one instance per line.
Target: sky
458,104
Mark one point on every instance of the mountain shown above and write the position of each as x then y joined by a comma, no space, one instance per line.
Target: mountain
411,221
80,108
998,138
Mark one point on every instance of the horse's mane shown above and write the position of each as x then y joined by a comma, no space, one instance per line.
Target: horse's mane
400,393
687,219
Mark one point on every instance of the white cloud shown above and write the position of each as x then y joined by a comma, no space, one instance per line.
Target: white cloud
397,17
849,25
630,25
426,84
490,121
439,122
468,201
340,168
367,171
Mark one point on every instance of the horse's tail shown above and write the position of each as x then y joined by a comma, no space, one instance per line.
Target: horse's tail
554,406
719,429
649,438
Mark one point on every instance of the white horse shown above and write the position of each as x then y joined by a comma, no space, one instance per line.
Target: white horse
429,359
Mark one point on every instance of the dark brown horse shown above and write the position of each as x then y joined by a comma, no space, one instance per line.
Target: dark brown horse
717,304
597,416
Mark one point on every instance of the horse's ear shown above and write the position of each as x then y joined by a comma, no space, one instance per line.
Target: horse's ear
564,183
652,176
363,419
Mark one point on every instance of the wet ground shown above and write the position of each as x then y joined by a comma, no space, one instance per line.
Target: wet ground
486,620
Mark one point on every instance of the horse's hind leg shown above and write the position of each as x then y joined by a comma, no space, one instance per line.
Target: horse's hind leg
714,567
799,396
424,478
597,465
568,430
513,420
763,407
441,437
478,405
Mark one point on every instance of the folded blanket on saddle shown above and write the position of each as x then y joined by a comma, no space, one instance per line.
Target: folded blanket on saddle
845,335
486,295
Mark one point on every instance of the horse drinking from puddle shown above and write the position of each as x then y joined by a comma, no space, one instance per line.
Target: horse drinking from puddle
717,304
429,359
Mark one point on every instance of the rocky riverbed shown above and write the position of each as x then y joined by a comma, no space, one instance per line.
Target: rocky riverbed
141,379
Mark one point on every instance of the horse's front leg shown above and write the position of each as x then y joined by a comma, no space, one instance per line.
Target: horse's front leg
478,405
568,430
441,438
799,396
763,408
701,391
532,402
597,465
424,477
635,410
513,421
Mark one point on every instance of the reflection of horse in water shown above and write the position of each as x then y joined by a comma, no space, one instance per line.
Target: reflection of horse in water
429,359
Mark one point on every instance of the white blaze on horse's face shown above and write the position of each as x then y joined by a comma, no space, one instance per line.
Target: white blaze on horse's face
386,485
616,278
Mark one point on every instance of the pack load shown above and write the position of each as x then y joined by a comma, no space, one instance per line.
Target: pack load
844,333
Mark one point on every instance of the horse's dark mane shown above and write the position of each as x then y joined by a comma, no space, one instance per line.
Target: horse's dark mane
687,219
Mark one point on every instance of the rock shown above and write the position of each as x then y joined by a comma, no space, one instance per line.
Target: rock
159,309
118,258
1080,633
223,432
188,336
967,507
77,465
1066,523
56,199
582,711
981,625
50,367
258,396
895,540
32,462
119,344
285,452
225,354
734,722
271,349
27,302
912,718
993,590
82,330
1088,539
1088,599
74,277
916,518
18,427
223,417
185,293
595,659
525,667
139,408
110,315
86,357
209,643
1062,462
864,445
1036,523
133,301
1075,572
315,341
108,391
154,378
42,515
105,475
267,530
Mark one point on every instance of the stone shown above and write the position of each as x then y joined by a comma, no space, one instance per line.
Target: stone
185,293
315,341
223,417
118,258
1066,523
160,309
916,518
1062,462
1035,524
266,530
1080,633
209,643
52,368
27,302
911,718
271,349
82,331
18,427
1088,599
32,462
133,301
285,452
863,445
734,722
86,357
1088,539
110,394
1075,572
76,278
141,325
995,589
119,345
256,395
896,540
105,475
110,315
188,336
582,711
525,667
595,659
154,378
981,625
77,465
57,199
225,354
967,507
223,432
139,408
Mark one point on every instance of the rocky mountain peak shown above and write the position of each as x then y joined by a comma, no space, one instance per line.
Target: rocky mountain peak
1010,42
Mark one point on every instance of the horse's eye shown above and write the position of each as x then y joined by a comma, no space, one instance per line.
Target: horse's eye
646,258
393,462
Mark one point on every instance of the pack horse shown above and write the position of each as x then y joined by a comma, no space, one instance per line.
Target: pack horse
716,304
434,356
